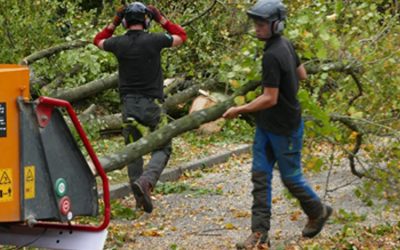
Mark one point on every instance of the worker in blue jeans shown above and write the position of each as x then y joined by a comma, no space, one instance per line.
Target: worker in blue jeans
279,128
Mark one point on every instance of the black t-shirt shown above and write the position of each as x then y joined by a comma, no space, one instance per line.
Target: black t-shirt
139,60
279,65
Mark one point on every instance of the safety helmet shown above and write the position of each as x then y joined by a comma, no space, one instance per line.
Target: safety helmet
268,10
273,11
137,12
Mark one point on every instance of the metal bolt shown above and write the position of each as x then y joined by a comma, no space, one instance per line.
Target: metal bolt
31,221
70,216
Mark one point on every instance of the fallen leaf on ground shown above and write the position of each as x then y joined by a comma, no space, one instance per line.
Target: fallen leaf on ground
152,233
295,215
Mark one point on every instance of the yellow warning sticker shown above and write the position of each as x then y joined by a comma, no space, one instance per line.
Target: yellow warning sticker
29,182
6,189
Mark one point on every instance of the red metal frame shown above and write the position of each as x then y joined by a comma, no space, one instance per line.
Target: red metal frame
44,110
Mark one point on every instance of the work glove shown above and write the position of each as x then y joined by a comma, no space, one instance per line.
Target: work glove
119,16
157,15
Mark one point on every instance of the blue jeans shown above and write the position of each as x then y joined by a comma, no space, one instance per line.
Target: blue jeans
268,149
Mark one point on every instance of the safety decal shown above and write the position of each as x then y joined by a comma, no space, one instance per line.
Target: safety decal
29,181
6,183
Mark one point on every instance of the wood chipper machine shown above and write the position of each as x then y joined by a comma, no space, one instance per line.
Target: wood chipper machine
45,180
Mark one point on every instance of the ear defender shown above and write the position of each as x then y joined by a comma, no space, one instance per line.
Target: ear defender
280,26
147,22
277,27
124,23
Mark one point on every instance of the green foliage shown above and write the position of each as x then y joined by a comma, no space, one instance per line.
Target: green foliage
365,35
320,125
344,217
178,188
237,131
385,185
234,131
173,246
119,211
384,236
365,197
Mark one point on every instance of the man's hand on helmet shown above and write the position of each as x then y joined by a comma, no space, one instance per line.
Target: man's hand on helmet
119,15
157,16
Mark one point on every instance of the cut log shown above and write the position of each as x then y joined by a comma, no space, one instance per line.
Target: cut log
203,102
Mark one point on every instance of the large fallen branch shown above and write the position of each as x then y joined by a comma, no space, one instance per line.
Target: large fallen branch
87,90
157,138
53,50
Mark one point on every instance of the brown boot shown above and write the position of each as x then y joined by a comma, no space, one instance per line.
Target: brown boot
142,189
256,239
139,200
314,226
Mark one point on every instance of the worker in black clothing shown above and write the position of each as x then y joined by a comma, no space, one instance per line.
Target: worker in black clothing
279,128
141,85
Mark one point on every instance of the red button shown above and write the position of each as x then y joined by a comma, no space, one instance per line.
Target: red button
65,205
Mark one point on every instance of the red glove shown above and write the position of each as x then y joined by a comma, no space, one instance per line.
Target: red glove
119,16
155,12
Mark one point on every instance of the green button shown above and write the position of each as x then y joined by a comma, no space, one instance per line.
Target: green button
61,187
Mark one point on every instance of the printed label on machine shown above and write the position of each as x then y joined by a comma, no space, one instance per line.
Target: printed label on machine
3,119
29,181
6,191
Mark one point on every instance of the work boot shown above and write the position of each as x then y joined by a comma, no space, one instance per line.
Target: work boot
256,239
139,200
314,226
142,189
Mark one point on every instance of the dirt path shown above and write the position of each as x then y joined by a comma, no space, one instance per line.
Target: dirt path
211,221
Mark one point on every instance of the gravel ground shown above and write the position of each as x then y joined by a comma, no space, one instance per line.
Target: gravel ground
190,221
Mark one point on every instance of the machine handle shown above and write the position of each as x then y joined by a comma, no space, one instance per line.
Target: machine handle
46,105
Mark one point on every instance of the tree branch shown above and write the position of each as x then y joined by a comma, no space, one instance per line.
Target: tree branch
51,51
351,156
88,89
359,86
201,14
354,152
86,114
315,68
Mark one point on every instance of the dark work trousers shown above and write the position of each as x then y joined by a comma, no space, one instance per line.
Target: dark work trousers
268,149
147,112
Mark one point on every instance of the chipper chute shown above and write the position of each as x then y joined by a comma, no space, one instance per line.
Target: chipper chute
45,181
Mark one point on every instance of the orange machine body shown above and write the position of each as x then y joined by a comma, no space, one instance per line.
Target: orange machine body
14,83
